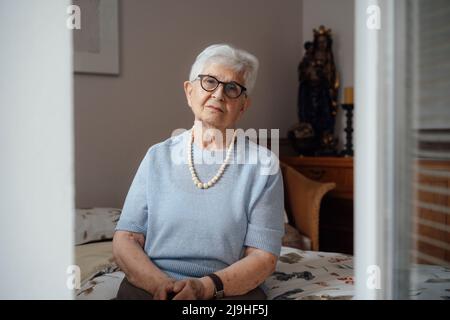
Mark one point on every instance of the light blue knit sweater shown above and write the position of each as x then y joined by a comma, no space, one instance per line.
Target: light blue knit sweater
191,232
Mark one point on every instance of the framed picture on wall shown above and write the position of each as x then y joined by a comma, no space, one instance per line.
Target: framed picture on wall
96,43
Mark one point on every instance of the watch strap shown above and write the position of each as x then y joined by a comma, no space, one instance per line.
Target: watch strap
218,286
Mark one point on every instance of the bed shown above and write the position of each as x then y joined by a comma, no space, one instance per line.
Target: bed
299,275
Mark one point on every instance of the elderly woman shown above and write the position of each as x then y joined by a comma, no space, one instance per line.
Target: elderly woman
209,227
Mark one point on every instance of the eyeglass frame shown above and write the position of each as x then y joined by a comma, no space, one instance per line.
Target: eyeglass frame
243,89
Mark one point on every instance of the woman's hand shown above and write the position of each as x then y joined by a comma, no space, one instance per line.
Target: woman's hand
189,289
164,289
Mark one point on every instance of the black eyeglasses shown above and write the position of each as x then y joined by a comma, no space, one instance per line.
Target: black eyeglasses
231,89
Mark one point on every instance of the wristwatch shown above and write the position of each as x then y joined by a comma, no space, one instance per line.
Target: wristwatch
218,286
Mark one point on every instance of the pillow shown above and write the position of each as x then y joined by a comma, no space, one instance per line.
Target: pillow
294,239
95,224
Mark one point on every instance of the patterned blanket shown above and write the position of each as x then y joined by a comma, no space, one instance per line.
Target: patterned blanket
311,275
300,275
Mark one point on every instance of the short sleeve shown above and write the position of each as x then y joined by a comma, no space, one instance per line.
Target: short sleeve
266,227
135,210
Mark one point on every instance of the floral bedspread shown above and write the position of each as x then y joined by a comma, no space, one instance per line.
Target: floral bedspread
300,275
311,275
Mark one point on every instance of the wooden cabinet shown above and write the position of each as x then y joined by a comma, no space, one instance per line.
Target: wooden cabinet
336,213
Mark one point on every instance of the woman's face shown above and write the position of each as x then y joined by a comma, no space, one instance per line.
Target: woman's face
214,108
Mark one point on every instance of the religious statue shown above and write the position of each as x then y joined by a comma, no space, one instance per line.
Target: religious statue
317,97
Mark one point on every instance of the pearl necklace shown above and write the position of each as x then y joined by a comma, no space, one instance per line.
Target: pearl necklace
219,173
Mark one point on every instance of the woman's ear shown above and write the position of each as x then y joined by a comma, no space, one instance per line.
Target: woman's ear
188,91
245,105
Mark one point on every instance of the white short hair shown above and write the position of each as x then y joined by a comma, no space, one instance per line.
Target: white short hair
236,59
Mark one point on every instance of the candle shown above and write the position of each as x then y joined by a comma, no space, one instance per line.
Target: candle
348,95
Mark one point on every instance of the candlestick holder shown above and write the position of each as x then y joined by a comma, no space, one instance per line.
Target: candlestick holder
348,151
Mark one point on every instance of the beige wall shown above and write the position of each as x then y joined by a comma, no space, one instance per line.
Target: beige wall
339,16
118,118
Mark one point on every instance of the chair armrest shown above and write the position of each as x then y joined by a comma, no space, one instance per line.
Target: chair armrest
302,198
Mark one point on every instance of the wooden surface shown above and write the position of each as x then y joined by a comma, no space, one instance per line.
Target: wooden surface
327,169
